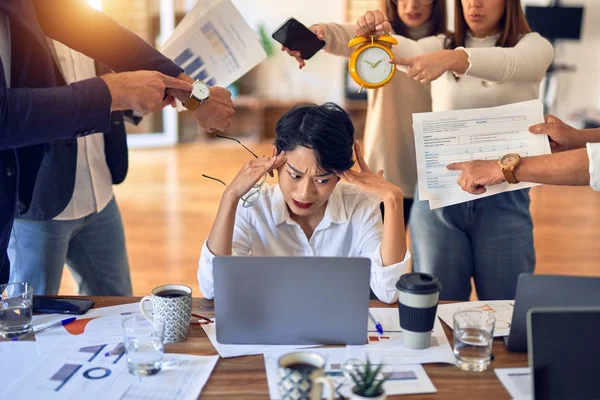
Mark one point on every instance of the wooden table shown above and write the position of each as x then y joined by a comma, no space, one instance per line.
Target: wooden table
244,377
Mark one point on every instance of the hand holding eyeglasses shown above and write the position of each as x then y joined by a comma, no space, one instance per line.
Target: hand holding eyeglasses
251,173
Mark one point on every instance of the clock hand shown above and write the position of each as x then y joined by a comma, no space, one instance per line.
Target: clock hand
368,63
376,64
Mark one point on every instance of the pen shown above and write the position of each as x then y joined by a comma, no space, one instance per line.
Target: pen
62,322
377,324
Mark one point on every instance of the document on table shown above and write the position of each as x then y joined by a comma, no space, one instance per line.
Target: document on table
402,379
89,373
446,137
389,318
17,359
388,348
502,310
183,379
214,44
98,326
517,381
238,350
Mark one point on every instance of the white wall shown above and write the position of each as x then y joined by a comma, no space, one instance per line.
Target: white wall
323,77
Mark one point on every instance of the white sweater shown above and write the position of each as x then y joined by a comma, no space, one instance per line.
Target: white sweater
496,75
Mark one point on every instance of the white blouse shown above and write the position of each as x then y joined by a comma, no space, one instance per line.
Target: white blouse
351,227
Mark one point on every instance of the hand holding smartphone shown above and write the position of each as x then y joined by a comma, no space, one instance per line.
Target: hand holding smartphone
297,37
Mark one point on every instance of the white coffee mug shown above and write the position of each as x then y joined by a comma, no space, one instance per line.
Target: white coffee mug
171,306
302,376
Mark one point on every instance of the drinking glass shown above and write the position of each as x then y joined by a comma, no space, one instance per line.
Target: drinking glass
473,338
144,345
16,304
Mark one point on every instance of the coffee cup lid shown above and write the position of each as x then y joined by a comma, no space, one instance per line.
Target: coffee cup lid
419,283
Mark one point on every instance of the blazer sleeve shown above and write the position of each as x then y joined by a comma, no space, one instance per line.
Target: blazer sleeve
93,33
33,116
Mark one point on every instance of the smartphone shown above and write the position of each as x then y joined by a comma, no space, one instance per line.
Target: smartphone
295,36
61,305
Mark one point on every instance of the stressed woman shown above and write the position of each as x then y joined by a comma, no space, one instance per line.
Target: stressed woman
310,212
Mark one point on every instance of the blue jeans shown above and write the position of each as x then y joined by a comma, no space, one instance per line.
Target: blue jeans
490,239
93,247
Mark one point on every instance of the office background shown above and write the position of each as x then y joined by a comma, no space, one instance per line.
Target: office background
168,209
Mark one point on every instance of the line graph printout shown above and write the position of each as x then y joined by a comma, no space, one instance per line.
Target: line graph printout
442,138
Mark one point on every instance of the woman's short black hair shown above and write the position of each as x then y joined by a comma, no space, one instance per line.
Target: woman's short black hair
326,129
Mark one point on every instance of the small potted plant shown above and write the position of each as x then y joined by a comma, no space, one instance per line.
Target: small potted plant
368,381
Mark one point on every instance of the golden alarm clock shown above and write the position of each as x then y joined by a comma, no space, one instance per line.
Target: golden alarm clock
368,64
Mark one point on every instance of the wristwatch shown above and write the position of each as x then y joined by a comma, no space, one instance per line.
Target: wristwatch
200,92
509,164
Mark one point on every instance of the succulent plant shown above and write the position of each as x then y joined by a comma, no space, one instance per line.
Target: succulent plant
367,380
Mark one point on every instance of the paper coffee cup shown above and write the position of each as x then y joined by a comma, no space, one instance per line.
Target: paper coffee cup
418,295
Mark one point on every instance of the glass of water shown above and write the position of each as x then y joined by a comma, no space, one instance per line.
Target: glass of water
16,305
144,345
473,338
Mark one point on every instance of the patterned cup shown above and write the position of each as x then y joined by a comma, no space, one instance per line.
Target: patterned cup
302,376
171,307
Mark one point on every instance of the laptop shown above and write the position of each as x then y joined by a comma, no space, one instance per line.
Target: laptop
548,291
291,300
564,352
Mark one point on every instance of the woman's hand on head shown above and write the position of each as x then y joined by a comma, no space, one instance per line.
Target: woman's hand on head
318,30
374,184
372,23
251,173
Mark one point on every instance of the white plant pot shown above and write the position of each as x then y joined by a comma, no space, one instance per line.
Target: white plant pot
357,397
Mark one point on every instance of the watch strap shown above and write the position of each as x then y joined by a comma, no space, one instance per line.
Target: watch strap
509,175
192,103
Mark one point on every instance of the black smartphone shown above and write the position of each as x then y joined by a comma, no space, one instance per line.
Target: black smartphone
295,36
61,305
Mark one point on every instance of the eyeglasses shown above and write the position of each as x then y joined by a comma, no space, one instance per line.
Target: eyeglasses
250,198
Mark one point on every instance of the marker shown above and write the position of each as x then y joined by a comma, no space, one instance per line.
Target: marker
377,324
42,328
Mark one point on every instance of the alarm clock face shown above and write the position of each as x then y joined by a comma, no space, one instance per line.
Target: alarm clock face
372,65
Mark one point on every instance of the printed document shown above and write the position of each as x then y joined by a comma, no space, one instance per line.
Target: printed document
502,310
214,44
442,138
517,382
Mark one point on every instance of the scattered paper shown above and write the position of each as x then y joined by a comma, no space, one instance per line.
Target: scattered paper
184,379
402,379
214,43
517,382
501,309
237,350
97,326
442,138
389,318
388,348
89,373
17,359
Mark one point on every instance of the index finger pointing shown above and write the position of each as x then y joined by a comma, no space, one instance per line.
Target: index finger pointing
456,166
175,83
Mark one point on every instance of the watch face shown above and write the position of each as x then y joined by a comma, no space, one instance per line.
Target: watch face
372,65
509,160
200,90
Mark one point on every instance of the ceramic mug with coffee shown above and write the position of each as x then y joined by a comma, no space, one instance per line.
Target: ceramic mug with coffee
302,376
171,307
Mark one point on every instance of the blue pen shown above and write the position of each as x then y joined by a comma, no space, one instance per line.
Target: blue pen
62,322
377,324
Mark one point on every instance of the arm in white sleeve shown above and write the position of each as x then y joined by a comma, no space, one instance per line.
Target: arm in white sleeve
593,150
383,279
526,62
407,48
241,246
337,37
